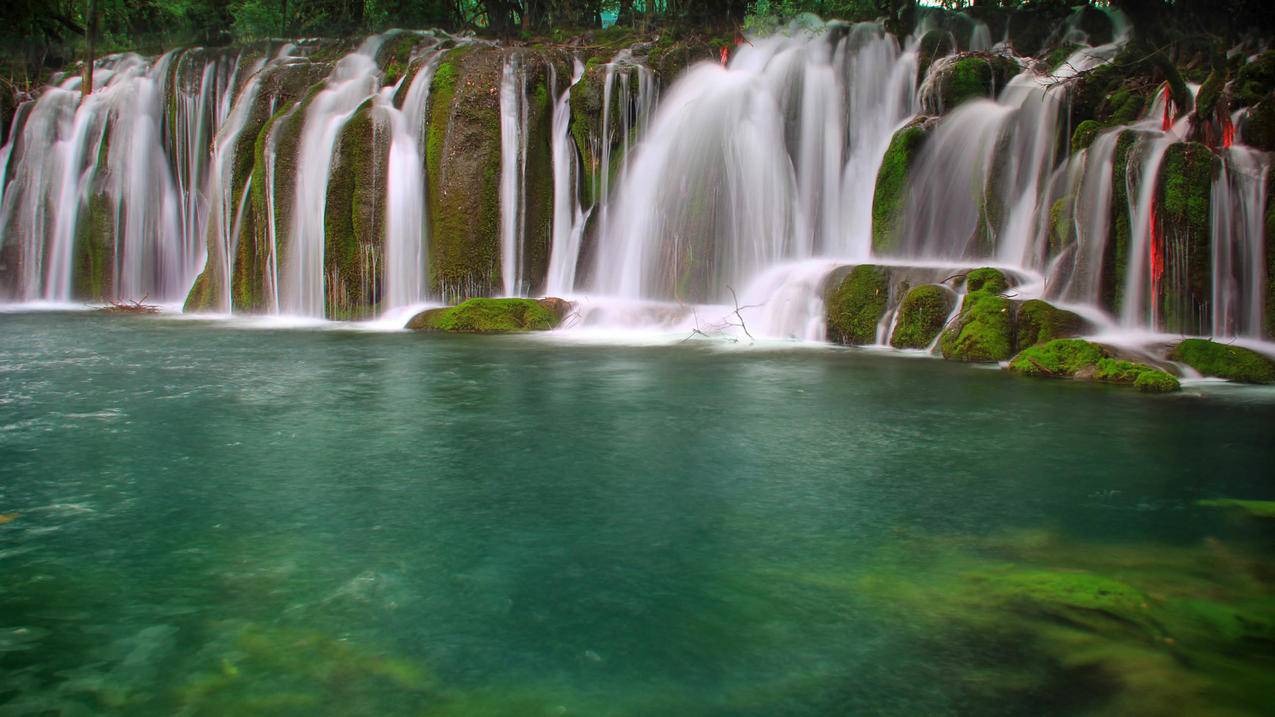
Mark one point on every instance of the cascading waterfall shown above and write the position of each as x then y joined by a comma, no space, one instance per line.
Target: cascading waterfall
405,223
352,82
743,166
568,216
513,166
1238,201
740,194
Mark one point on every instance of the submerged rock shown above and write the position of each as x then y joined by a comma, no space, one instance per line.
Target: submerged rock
1082,360
1230,362
857,304
1252,508
493,316
921,316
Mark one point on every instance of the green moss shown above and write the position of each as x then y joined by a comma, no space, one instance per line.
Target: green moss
1258,128
889,200
934,44
986,279
1059,55
488,316
1077,358
354,219
1063,357
921,316
1084,135
1254,80
1061,225
1115,258
855,307
1184,293
463,158
1070,595
974,76
1255,508
94,252
1230,362
1038,322
1268,328
982,332
538,181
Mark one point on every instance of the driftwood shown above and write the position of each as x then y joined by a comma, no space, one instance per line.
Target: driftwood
130,307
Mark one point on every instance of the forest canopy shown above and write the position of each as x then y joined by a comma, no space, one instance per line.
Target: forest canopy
38,34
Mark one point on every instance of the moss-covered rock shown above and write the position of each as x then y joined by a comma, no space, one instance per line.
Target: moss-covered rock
1038,322
1084,135
463,159
1115,258
1254,81
973,76
493,316
1234,363
856,305
538,176
354,218
94,253
1258,126
889,200
984,330
921,316
1184,285
1080,359
934,44
986,279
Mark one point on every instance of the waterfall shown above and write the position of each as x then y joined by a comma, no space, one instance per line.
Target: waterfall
353,82
1092,218
513,166
568,216
405,223
1238,204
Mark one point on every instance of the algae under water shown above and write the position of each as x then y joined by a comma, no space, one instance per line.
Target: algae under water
217,520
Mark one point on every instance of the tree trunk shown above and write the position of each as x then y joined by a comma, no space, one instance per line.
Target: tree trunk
90,38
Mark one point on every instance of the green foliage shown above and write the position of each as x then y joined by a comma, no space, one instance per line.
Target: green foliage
1230,362
921,316
855,307
488,316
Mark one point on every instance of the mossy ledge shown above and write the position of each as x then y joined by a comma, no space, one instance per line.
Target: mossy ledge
493,316
1233,363
984,330
921,316
1085,361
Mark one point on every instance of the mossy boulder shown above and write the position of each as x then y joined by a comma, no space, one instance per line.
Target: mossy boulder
973,76
1234,363
1039,321
984,330
493,316
1257,129
94,253
1254,80
921,316
890,198
1115,258
934,44
463,159
1080,359
1084,135
1184,285
856,305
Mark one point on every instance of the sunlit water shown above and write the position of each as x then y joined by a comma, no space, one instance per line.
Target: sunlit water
216,520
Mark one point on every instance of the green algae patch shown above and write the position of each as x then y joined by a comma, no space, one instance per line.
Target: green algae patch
986,279
1080,359
492,316
1084,135
857,304
1184,294
1264,509
1039,321
889,198
1234,363
921,316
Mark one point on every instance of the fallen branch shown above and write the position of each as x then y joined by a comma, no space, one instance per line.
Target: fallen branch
130,307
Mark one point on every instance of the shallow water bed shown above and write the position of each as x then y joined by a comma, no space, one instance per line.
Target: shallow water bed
212,520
